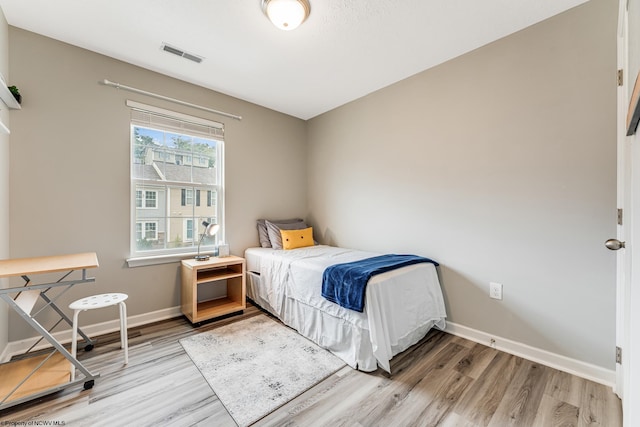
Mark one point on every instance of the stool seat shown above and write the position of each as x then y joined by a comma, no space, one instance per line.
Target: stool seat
94,302
98,301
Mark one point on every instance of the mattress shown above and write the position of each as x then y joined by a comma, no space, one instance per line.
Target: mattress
400,305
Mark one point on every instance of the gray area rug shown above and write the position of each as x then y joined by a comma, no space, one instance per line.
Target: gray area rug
256,365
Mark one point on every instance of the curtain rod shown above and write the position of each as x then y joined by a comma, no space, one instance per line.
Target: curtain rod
166,98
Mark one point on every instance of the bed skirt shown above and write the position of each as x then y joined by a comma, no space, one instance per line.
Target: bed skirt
350,342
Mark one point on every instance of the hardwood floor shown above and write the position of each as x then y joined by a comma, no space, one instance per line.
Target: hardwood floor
442,381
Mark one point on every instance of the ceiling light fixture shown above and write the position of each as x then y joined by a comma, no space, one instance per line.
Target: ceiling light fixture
286,14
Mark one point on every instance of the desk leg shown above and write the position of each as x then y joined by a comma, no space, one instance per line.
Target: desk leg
53,305
43,332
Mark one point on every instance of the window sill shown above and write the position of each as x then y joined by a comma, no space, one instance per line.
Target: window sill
162,259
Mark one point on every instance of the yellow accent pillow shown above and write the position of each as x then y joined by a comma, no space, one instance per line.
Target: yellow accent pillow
292,239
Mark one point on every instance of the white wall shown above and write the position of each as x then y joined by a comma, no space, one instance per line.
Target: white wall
631,352
70,192
4,180
501,165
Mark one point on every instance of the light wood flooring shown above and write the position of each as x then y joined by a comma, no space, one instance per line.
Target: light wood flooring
442,381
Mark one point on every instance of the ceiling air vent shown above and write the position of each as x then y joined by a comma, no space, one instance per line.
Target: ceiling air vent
182,53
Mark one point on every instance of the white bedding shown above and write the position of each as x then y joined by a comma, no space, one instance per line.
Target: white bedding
400,305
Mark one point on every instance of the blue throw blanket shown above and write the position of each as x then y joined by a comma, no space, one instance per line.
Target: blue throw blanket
346,284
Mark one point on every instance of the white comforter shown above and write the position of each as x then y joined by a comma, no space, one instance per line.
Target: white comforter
400,305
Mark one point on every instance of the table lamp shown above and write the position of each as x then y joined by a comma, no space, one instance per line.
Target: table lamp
209,230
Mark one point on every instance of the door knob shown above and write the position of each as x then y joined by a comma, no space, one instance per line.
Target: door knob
614,244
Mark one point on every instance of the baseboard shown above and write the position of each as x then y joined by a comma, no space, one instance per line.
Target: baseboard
5,356
18,347
556,361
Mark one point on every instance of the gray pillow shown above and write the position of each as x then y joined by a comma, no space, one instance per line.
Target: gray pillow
263,234
273,228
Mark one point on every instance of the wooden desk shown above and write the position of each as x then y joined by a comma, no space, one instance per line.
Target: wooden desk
47,264
43,374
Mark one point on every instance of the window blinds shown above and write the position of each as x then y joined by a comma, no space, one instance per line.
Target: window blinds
148,115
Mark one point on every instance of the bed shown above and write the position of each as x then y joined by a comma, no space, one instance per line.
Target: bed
401,305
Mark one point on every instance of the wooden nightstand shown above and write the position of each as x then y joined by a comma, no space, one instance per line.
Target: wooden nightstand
214,272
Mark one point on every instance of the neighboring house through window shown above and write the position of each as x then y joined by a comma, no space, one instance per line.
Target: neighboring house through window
176,160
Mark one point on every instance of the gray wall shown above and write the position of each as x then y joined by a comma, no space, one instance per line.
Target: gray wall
501,165
70,179
4,179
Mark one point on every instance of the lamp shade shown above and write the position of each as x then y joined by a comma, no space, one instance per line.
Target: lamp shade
210,230
286,14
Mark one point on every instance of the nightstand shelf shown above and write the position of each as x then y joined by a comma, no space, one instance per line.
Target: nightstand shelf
205,276
213,272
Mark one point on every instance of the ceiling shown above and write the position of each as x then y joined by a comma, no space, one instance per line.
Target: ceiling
346,49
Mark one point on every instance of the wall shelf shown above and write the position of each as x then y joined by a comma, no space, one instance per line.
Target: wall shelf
7,96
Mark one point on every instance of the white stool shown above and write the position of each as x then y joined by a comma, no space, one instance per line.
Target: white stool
99,301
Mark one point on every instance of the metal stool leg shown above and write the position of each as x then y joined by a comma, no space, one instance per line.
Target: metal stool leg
124,341
74,342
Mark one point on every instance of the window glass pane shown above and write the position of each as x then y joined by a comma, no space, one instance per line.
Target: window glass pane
148,235
173,157
174,174
211,198
150,200
189,229
151,230
145,143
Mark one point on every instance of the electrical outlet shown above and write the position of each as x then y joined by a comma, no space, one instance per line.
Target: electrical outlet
495,290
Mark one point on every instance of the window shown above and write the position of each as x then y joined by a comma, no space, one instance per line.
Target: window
146,199
176,161
188,229
146,231
150,199
186,199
